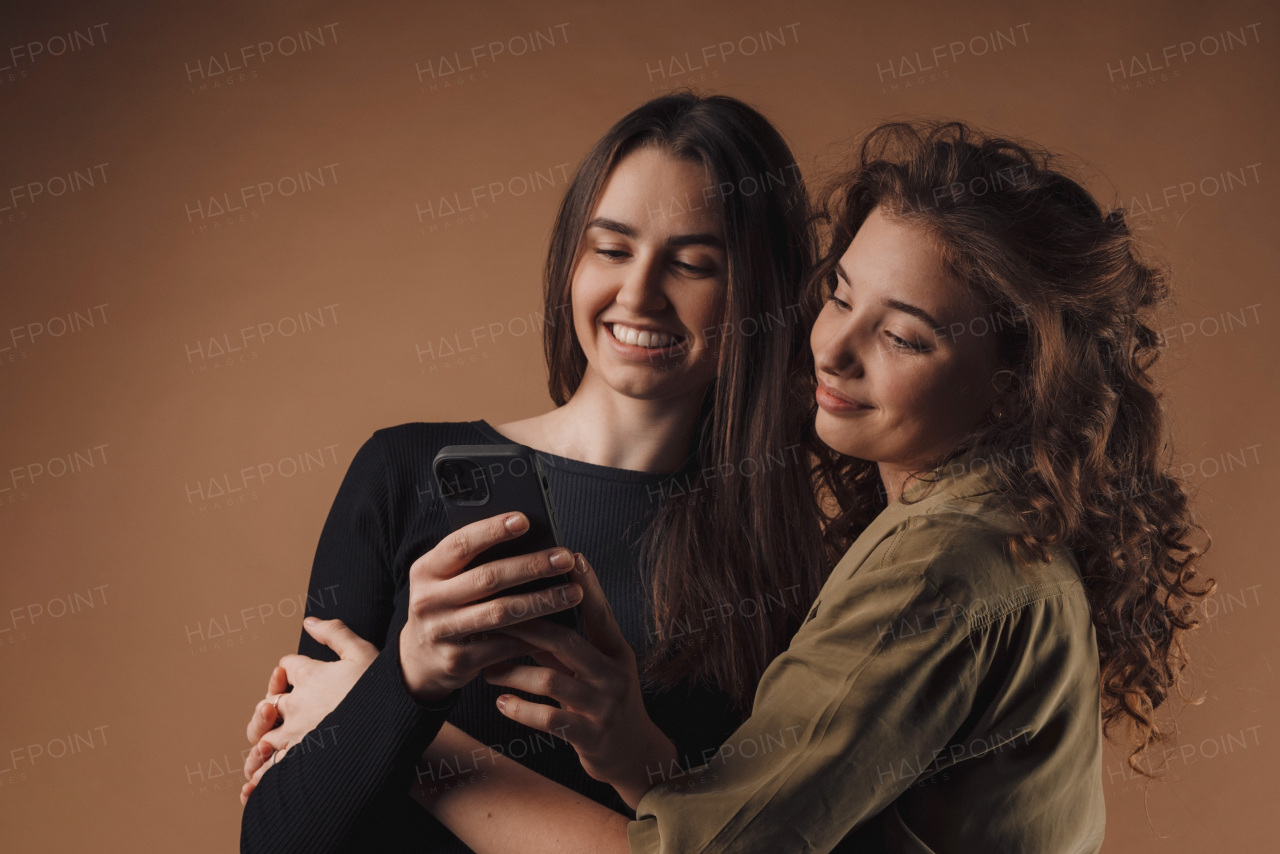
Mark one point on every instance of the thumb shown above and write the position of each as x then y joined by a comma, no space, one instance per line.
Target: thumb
335,635
279,681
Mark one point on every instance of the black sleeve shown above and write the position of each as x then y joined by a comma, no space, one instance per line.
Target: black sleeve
337,778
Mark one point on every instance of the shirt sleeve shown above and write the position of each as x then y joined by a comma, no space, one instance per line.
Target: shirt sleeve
364,751
867,696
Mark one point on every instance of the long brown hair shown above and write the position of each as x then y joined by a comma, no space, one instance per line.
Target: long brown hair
1081,452
737,553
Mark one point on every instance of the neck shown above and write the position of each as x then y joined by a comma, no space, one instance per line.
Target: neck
894,479
600,426
896,476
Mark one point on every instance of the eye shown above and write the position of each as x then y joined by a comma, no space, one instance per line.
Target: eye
694,269
612,254
834,284
900,343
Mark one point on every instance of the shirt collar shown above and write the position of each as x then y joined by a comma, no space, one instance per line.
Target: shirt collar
963,476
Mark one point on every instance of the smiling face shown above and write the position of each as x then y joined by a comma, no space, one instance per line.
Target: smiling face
893,386
648,289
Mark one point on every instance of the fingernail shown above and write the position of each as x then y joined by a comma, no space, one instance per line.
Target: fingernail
311,621
516,523
562,560
502,702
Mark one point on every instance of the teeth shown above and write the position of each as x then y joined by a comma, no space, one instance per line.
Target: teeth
642,338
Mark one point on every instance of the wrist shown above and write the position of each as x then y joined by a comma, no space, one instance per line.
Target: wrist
417,687
659,762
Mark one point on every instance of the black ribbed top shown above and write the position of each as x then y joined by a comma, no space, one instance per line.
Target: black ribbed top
348,789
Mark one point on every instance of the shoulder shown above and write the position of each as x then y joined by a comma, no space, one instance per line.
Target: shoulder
413,445
960,549
389,485
420,435
394,463
956,555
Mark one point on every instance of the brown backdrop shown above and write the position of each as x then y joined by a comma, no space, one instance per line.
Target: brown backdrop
236,240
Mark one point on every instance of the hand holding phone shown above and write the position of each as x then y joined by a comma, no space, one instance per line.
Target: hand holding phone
453,630
479,481
505,545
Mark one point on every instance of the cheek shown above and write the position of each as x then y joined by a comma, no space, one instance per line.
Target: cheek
906,393
583,330
712,302
703,314
918,393
585,296
582,312
937,404
967,387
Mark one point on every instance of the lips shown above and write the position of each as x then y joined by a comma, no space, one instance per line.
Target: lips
830,398
646,338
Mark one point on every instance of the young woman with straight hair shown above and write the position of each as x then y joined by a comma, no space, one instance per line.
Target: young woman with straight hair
672,287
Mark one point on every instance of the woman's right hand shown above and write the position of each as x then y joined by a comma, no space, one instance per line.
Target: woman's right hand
595,683
451,635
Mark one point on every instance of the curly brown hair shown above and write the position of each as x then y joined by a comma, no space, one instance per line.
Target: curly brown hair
1081,452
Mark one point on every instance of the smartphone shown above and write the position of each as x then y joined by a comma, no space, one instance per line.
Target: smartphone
480,481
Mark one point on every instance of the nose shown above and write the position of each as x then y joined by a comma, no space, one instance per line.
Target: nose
835,347
640,288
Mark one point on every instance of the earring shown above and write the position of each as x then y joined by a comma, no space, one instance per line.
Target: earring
1001,384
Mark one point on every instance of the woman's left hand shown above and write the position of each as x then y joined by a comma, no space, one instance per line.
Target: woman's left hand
597,684
318,688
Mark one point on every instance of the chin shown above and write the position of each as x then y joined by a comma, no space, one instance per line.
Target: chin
655,382
649,388
835,435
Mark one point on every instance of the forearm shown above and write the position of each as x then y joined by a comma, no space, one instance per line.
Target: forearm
660,762
536,815
313,799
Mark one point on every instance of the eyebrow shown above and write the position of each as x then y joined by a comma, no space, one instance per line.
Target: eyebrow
697,239
913,311
896,304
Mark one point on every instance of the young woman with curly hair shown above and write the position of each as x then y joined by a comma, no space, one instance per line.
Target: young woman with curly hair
1021,574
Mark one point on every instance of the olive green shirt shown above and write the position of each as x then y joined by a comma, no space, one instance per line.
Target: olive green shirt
938,698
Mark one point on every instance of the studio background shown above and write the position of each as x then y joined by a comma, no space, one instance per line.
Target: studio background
237,238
